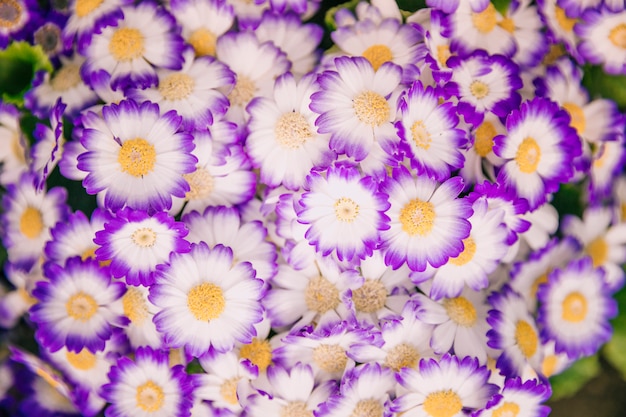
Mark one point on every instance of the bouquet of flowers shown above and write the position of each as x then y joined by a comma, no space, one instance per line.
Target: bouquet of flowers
282,208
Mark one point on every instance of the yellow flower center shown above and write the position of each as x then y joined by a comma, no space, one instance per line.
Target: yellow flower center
126,44
461,311
370,297
371,108
401,356
66,78
203,42
548,366
443,53
201,184
31,222
17,148
542,279
135,306
446,403
507,24
206,301
377,55
292,130
367,408
469,250
137,157
485,21
479,89
622,211
228,391
26,297
83,360
10,13
259,352
574,307
483,138
420,134
528,156
243,91
85,7
566,23
598,250
176,86
144,237
321,295
507,409
295,409
346,210
81,306
417,217
526,338
330,358
150,397
578,121
617,36
554,53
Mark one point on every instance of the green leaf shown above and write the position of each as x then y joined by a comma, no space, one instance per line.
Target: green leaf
501,6
615,350
575,377
601,84
329,18
569,200
411,6
18,64
194,367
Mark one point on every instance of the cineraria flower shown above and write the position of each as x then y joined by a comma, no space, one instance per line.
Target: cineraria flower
603,39
480,160
428,220
283,141
131,49
607,163
537,148
135,243
16,18
444,387
522,20
48,148
345,212
48,36
428,132
575,308
13,154
140,329
560,27
14,303
136,156
147,386
207,299
354,106
75,306
449,6
88,17
519,398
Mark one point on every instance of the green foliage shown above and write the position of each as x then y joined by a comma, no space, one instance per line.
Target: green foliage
18,64
615,350
569,200
601,84
568,383
501,5
329,17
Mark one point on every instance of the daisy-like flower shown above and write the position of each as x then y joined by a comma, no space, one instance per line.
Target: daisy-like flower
428,220
131,49
449,6
522,20
13,146
14,303
140,329
136,156
147,386
524,398
603,39
560,26
484,83
444,387
345,212
135,243
206,299
428,131
88,17
75,306
283,141
48,36
16,19
355,107
575,308
537,146
480,160
607,164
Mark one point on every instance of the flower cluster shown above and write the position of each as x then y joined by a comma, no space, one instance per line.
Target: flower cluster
217,215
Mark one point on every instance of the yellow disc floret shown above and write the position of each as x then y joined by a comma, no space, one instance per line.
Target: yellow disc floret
206,301
137,157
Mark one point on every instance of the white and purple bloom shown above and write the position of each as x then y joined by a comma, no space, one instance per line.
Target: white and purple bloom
89,17
48,148
518,397
603,39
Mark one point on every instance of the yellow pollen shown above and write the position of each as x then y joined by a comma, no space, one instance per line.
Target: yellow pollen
346,210
601,156
144,237
443,53
81,306
10,13
574,307
377,55
469,250
292,130
330,358
135,306
126,44
137,157
528,156
201,184
17,148
176,357
507,24
203,42
89,253
176,86
548,366
617,36
367,408
507,409
420,134
461,311
228,391
370,297
566,23
371,108
554,53
243,91
578,121
417,217
321,295
25,295
485,21
85,7
150,397
401,356
446,403
206,301
259,352
526,338
49,377
66,78
479,89
295,409
31,222
598,249
542,279
83,360
622,211
483,138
